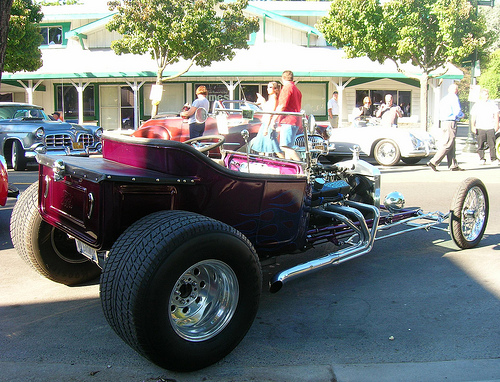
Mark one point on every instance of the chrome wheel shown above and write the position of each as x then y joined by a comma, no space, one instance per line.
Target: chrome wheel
203,300
387,153
469,213
473,214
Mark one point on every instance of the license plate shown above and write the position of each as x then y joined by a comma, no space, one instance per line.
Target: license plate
78,146
86,250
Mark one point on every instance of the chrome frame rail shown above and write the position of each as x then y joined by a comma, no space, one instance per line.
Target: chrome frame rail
345,214
436,217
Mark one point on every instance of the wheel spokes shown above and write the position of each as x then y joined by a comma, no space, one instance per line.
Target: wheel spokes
473,214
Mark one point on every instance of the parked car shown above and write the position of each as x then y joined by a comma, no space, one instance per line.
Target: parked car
180,237
230,124
387,145
25,131
6,190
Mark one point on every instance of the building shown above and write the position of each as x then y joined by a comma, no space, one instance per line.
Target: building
82,77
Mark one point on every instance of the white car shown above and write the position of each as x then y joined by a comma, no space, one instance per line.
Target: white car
387,145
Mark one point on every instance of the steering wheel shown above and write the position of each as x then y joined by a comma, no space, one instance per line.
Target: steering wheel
205,143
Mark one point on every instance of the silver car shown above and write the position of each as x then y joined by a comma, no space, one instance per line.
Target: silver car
26,130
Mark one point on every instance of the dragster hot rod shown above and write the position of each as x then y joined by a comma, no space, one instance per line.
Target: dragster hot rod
178,232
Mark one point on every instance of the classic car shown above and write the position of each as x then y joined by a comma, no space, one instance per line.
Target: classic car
25,131
179,237
230,124
6,190
387,145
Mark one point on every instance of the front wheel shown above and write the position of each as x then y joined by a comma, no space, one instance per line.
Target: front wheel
181,289
18,158
469,213
48,250
387,152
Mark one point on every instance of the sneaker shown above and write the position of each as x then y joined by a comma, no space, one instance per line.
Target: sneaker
482,161
495,163
457,169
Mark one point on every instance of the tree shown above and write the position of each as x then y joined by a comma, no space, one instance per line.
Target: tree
19,25
5,7
171,30
426,33
492,16
490,78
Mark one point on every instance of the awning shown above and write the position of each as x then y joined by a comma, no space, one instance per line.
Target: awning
262,60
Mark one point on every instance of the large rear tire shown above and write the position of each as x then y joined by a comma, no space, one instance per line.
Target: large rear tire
469,213
181,289
48,250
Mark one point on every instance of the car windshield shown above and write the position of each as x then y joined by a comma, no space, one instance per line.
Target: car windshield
240,105
22,112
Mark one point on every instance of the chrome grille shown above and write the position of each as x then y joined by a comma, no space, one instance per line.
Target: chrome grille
316,142
57,140
87,139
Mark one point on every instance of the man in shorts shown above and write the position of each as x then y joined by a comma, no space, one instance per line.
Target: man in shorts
290,99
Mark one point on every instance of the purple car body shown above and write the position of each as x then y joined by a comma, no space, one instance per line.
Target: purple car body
178,237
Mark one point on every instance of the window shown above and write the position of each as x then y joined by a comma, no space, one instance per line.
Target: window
52,35
313,95
216,92
403,99
314,99
172,98
6,97
67,102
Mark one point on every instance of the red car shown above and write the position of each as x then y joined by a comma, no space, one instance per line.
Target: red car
230,125
5,190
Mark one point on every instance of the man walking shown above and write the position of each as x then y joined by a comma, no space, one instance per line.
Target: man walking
484,117
449,113
290,99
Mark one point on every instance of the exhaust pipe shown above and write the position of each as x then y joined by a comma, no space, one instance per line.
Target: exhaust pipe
363,246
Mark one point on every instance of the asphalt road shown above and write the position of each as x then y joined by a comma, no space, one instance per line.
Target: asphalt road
414,309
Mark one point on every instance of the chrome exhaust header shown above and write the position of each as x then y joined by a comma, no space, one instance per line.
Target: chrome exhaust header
350,215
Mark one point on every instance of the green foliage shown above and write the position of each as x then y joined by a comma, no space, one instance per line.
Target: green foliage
171,30
492,17
58,2
490,78
427,33
24,39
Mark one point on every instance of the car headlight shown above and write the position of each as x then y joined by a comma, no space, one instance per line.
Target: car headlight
40,133
98,133
329,131
415,141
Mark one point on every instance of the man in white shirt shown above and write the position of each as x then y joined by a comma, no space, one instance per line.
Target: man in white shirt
484,118
449,113
333,110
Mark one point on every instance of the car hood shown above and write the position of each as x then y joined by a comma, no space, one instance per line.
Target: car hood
50,127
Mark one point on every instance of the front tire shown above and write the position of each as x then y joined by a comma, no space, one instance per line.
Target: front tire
411,160
18,158
48,250
181,289
469,213
387,152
